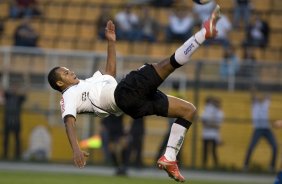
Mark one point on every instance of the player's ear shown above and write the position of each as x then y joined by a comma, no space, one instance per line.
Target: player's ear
60,83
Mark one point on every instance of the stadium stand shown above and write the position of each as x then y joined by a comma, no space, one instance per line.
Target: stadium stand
66,22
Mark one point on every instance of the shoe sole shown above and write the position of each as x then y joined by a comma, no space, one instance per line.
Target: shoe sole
213,20
162,166
215,17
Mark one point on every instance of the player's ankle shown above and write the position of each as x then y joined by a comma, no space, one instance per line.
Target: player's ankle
200,36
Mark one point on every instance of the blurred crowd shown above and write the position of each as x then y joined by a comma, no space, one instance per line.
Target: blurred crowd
142,25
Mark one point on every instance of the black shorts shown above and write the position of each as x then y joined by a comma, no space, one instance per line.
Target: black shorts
137,94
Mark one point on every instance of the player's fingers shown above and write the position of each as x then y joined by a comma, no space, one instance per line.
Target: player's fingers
79,162
86,154
109,24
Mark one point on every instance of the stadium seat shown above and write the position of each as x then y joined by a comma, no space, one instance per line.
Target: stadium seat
263,6
162,14
237,36
200,54
10,26
100,46
139,48
225,5
87,31
158,50
275,39
215,52
54,12
273,55
122,47
38,66
6,40
20,63
277,5
65,44
51,29
46,42
84,44
4,9
73,12
68,30
275,21
90,13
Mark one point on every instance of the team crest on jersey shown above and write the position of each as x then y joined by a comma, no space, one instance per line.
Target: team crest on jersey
62,103
84,96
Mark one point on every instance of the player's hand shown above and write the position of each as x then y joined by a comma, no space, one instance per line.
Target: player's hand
79,158
110,31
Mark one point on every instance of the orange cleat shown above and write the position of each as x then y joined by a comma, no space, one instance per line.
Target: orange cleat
171,168
210,24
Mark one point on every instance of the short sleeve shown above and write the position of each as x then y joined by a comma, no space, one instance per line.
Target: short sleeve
68,106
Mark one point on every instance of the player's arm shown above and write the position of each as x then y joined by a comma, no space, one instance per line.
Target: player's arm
78,154
111,50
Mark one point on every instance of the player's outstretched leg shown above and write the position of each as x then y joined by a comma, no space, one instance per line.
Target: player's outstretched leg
183,54
178,130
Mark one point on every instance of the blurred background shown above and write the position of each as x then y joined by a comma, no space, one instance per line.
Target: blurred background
244,60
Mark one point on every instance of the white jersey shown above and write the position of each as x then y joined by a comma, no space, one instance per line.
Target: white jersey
95,94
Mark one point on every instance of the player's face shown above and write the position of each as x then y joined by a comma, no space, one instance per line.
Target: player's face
68,77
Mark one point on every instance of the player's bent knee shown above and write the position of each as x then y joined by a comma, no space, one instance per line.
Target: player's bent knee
192,112
188,111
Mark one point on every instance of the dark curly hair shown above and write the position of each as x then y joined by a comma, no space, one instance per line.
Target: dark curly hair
53,77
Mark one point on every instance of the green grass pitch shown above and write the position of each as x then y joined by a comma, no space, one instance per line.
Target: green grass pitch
26,177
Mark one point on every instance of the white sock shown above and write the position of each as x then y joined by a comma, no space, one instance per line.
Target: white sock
175,141
185,51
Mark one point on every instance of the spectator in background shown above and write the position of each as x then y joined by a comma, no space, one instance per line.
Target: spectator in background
102,20
1,27
117,143
278,178
257,33
14,98
162,3
136,139
25,35
242,11
39,144
229,66
127,24
224,27
262,127
180,25
148,25
202,12
2,96
24,8
212,118
140,2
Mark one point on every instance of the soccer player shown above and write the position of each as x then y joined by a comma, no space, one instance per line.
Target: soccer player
136,95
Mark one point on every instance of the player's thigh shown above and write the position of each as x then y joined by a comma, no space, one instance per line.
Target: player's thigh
180,108
164,68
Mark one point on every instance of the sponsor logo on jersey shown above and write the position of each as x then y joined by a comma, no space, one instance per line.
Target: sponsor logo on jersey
62,103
